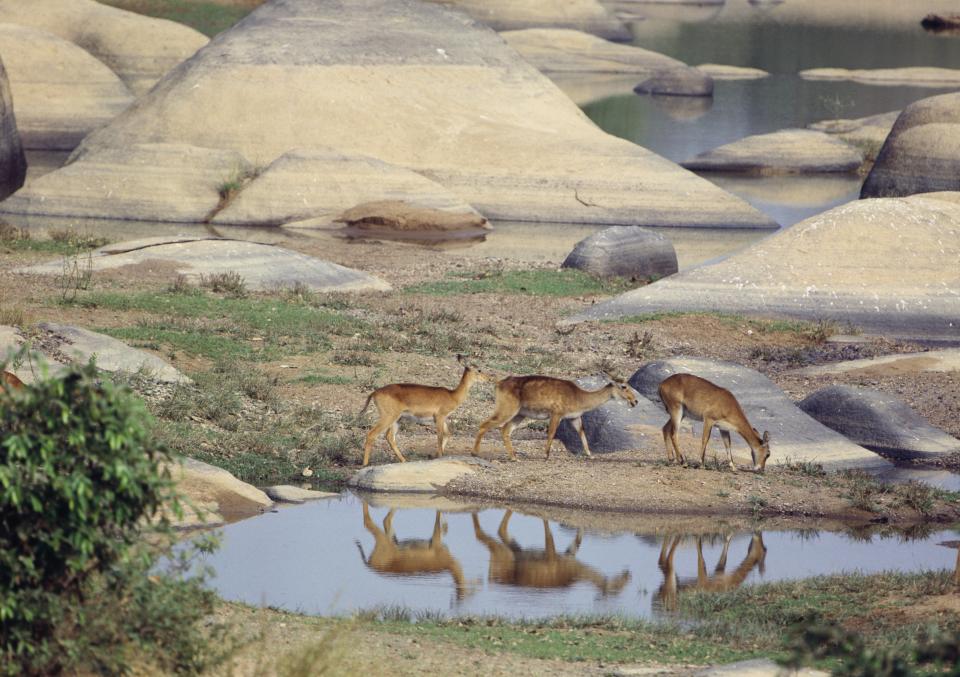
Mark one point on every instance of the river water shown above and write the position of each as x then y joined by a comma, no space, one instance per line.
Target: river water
325,558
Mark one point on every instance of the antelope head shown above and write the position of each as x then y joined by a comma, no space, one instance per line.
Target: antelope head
763,451
622,390
473,372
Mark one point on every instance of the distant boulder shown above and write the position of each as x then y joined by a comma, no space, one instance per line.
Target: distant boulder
878,421
677,82
624,251
13,163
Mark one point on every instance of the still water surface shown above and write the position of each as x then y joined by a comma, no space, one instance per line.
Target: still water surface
326,558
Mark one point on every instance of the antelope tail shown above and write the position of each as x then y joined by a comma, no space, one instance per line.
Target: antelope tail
365,405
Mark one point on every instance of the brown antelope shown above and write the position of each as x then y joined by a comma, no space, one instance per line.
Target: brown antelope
543,397
11,380
410,557
417,401
512,565
720,581
695,397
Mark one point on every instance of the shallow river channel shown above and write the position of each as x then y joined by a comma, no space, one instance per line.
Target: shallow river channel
343,555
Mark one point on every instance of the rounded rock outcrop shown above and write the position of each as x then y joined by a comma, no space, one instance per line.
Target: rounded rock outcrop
878,421
624,251
13,163
677,82
789,151
589,16
922,152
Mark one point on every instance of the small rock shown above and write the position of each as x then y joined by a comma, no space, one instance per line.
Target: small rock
430,476
627,251
677,82
288,493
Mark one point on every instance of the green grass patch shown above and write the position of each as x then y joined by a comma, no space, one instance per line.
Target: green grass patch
192,342
209,18
534,282
325,379
818,331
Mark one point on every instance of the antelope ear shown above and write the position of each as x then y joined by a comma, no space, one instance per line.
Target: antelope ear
461,359
766,436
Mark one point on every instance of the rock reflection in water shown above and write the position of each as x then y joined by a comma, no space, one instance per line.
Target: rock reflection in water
667,595
445,239
511,564
411,557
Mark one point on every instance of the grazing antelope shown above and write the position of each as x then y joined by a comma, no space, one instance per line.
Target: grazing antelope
417,401
510,564
413,556
11,380
689,395
543,397
720,581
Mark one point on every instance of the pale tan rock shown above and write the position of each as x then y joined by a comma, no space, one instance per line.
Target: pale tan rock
402,216
13,163
321,184
888,365
442,96
262,266
145,182
788,151
867,134
139,49
416,476
60,92
288,493
846,264
723,72
214,495
919,76
589,16
554,50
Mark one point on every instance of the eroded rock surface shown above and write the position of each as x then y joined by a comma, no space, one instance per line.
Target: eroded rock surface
845,264
59,344
589,16
287,493
914,76
922,152
13,163
615,425
214,496
60,92
139,49
439,95
789,151
887,365
416,476
794,436
866,134
262,266
568,51
626,251
401,216
878,421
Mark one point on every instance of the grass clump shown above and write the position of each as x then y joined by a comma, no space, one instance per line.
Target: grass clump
229,282
563,282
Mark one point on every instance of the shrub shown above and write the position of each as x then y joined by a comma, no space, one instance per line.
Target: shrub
80,476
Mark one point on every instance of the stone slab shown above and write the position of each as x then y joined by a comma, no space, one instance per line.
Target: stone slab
582,15
845,264
416,476
915,76
554,50
788,151
287,493
794,436
423,87
878,421
262,266
723,72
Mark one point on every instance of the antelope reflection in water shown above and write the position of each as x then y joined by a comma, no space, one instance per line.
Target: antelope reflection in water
510,564
718,582
412,556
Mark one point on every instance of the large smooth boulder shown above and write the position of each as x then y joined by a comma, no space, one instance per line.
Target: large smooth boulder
788,151
59,344
262,266
878,421
588,16
60,92
137,48
421,87
13,163
794,436
847,264
922,151
626,251
213,496
677,82
919,76
141,182
615,425
554,50
319,185
416,476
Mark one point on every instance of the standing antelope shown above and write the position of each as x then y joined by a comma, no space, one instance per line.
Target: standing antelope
543,397
510,564
689,395
417,401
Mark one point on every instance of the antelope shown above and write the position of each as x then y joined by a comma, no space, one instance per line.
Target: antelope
542,397
510,564
689,395
418,401
410,557
10,380
720,581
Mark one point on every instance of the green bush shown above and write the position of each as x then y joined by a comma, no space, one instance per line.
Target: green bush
79,479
